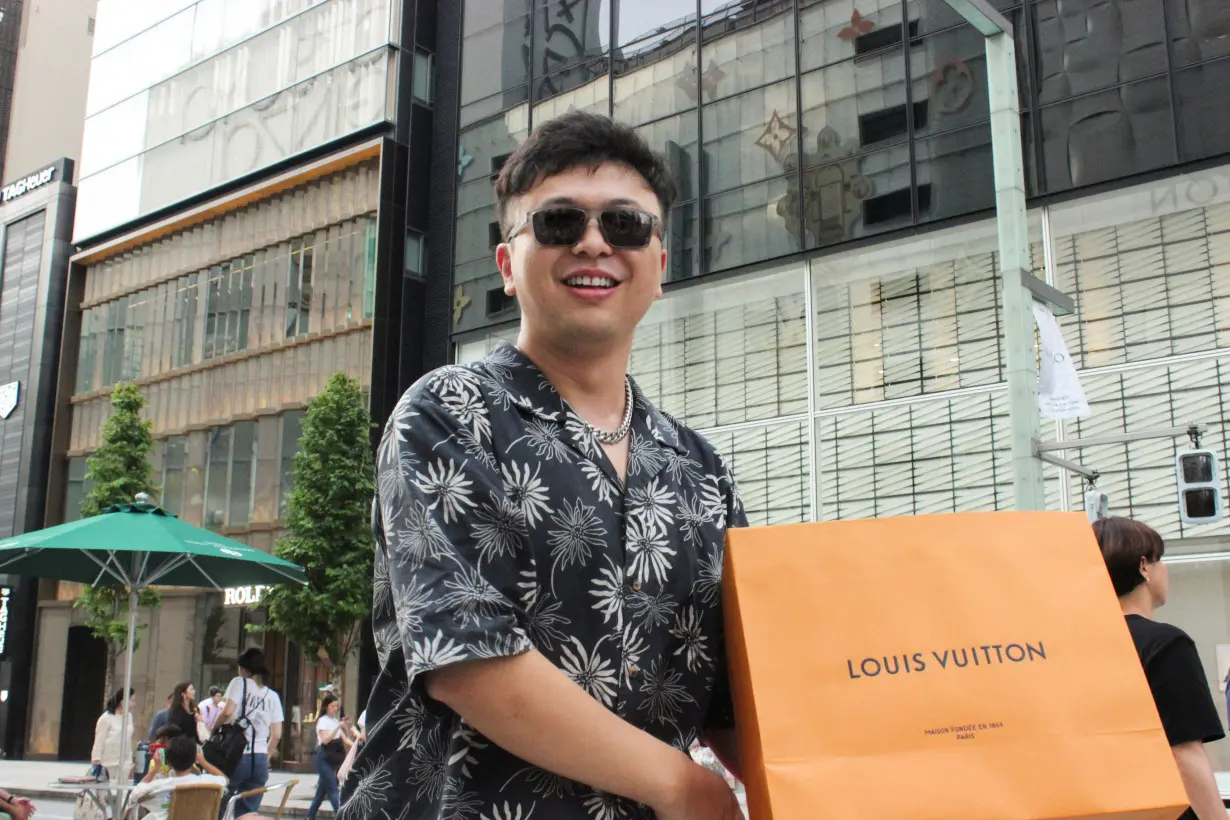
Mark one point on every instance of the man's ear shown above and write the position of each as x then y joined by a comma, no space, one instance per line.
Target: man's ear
661,275
503,260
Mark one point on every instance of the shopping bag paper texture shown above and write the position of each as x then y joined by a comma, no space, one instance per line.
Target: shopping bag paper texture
972,666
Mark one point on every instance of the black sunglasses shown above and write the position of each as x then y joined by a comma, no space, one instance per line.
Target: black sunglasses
565,225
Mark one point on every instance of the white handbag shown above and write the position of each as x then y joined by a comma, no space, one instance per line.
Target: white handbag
87,808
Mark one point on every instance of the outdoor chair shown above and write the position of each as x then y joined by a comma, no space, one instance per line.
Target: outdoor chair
289,786
195,802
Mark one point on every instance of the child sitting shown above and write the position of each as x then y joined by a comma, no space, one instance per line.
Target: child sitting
158,765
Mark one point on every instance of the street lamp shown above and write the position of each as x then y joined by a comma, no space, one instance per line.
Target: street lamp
1020,286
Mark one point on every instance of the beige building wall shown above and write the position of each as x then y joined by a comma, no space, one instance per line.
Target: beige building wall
51,638
53,71
254,385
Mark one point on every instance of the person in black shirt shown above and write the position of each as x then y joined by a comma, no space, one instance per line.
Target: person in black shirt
1133,555
184,715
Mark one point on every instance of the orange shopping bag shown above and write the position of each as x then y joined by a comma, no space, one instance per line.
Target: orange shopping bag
965,667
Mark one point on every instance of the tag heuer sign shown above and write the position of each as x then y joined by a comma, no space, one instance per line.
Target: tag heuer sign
8,399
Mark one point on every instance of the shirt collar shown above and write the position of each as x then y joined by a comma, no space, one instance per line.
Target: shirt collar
532,393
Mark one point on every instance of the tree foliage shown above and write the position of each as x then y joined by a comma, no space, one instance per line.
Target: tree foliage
328,521
118,470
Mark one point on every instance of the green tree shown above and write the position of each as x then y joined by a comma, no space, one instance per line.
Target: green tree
118,470
328,522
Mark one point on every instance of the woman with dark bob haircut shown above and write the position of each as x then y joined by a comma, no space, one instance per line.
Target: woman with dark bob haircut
1133,555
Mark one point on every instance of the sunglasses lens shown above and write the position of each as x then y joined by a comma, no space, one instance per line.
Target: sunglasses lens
559,226
626,228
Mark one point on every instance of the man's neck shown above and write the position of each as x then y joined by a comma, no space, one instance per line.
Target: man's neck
185,773
1137,602
591,381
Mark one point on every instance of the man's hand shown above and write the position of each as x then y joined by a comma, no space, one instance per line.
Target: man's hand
701,794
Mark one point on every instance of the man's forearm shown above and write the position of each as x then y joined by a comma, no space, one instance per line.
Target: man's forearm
1198,779
530,708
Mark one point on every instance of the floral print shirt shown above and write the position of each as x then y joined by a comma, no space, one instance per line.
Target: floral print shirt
501,526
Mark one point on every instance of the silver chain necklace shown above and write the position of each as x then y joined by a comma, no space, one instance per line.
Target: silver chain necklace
619,435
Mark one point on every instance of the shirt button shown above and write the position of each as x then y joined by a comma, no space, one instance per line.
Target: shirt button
633,670
636,586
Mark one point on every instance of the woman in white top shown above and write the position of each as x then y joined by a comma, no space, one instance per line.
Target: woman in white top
258,709
334,739
113,727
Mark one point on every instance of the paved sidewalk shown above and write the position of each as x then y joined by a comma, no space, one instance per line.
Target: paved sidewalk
34,779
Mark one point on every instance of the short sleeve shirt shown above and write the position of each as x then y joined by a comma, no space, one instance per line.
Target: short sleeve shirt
1177,680
501,526
264,709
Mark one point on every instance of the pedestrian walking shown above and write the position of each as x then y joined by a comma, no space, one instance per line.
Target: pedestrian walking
113,730
261,708
187,719
548,569
211,708
1133,554
333,739
160,718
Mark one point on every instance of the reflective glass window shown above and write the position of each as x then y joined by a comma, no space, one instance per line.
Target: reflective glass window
675,139
243,474
117,20
1199,30
174,462
495,49
217,477
750,137
955,173
746,46
949,75
1085,45
115,134
655,69
1204,118
341,101
834,32
292,422
422,77
746,225
299,288
855,105
228,308
76,488
185,307
88,350
132,65
1108,135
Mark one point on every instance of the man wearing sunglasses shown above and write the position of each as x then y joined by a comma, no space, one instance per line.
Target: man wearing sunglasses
547,593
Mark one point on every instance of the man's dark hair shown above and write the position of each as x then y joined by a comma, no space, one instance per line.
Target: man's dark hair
167,733
214,690
579,140
1124,543
181,753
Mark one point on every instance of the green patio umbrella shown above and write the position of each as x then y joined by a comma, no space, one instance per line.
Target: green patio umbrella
136,546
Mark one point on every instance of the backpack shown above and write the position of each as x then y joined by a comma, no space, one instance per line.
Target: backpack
227,742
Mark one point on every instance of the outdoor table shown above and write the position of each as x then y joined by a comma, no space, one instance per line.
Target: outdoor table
98,790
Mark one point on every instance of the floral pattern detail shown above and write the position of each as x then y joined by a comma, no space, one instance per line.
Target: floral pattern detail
501,527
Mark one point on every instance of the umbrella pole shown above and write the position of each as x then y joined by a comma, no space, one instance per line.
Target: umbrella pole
125,752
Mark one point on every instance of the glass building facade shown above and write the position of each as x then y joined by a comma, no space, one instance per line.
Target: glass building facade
832,320
242,197
188,96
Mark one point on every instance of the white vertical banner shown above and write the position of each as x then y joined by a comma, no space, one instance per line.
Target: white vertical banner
1060,395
